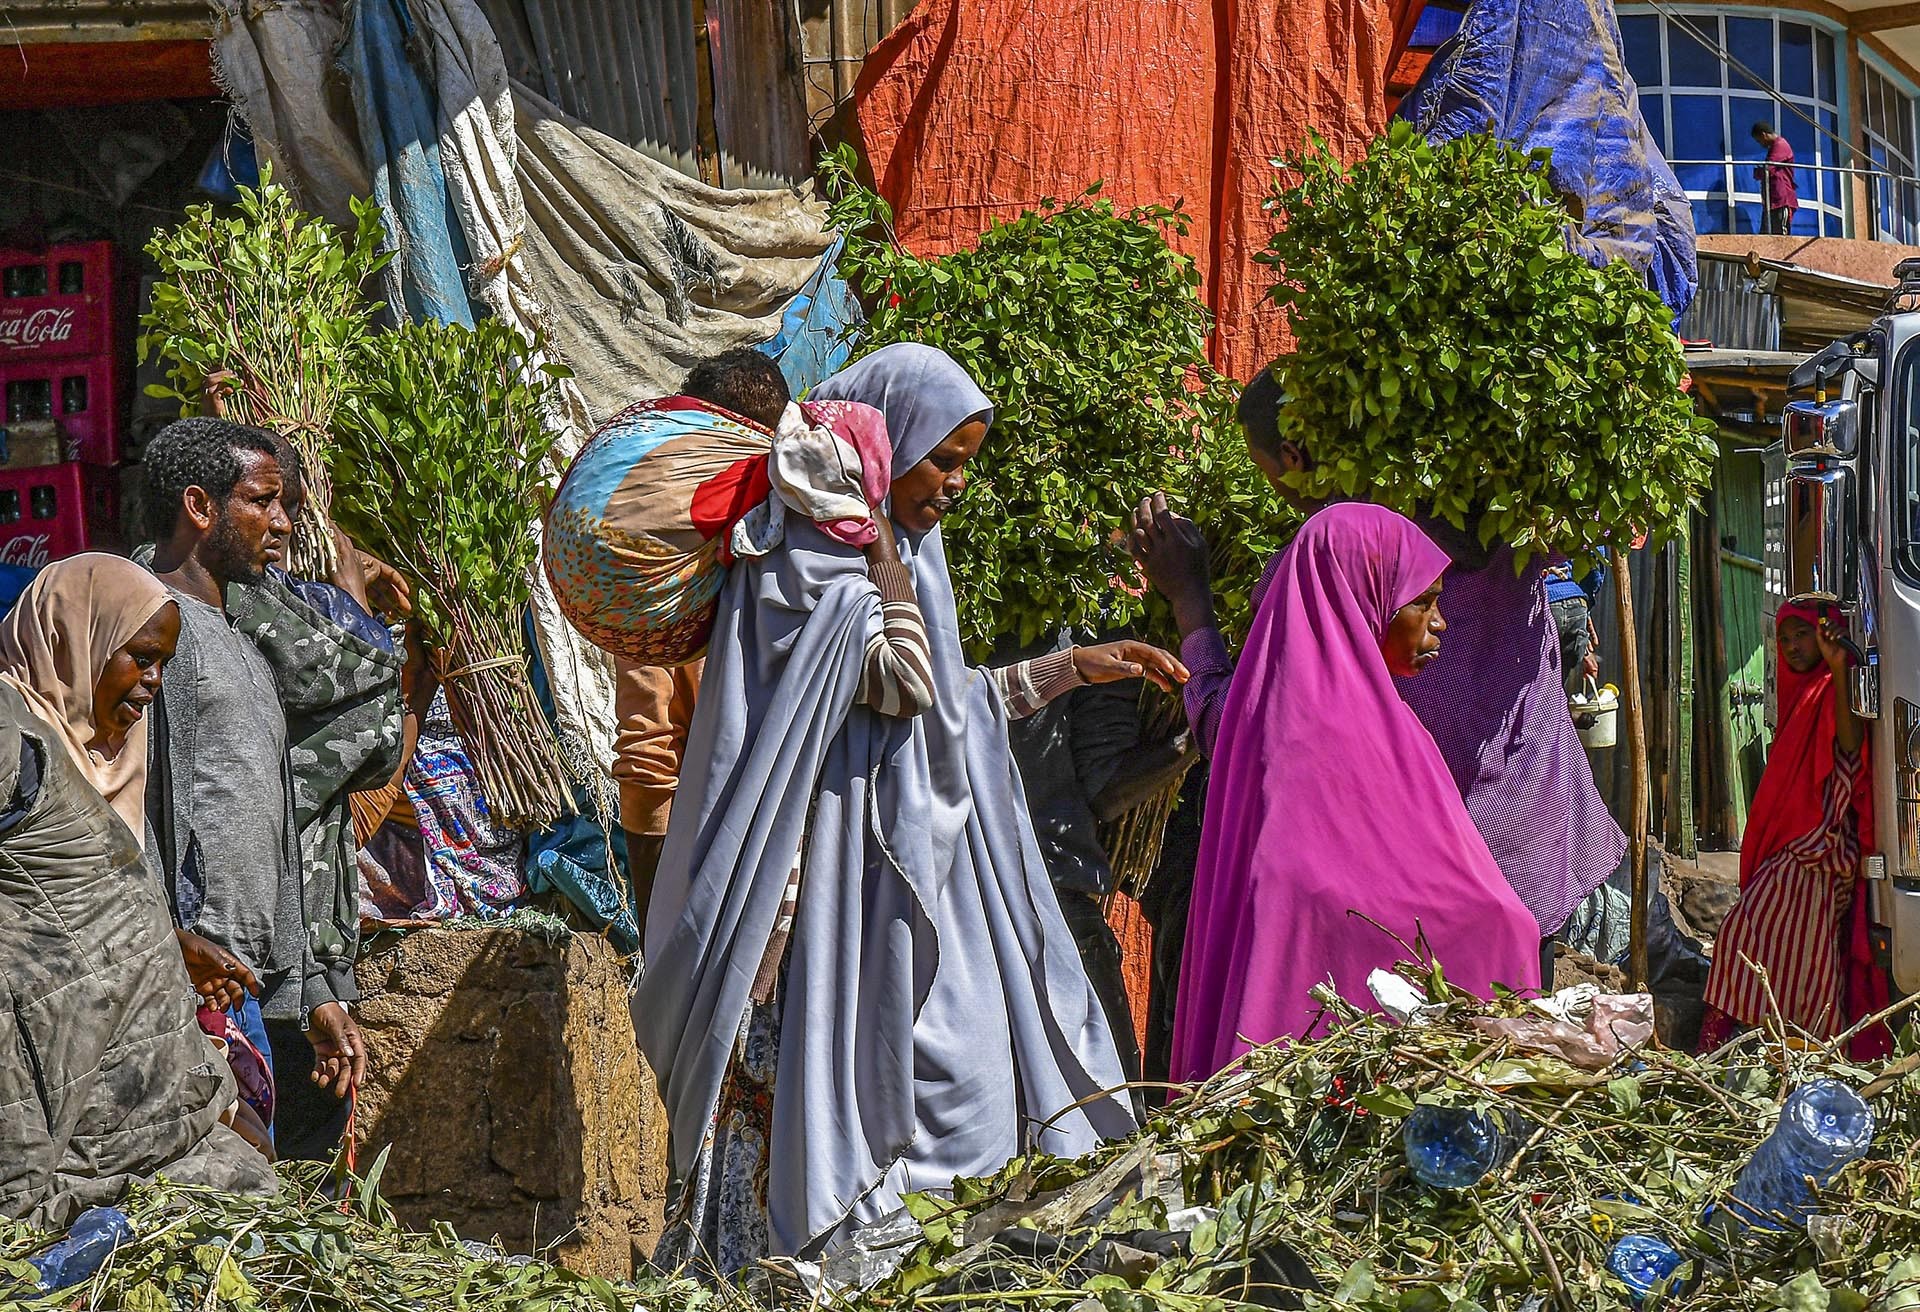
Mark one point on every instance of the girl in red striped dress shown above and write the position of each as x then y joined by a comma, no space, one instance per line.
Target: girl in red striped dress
1798,939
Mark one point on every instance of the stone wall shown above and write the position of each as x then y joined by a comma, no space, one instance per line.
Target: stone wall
503,1076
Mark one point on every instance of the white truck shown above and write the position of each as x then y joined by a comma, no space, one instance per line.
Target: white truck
1843,526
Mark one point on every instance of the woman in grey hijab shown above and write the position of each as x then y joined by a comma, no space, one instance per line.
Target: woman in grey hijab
858,981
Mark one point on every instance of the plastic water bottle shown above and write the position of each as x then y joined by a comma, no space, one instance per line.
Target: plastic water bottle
1641,1262
74,1259
1455,1147
1823,1126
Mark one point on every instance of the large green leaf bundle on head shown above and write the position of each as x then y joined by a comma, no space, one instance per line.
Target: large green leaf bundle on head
259,316
1088,332
437,465
1455,358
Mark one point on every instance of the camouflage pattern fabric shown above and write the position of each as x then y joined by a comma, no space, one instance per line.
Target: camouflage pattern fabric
107,1079
345,724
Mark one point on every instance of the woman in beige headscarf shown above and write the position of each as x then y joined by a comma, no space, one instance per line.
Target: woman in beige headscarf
84,646
91,971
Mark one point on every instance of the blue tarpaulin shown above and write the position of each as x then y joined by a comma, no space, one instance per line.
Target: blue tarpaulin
398,113
584,856
817,329
1550,73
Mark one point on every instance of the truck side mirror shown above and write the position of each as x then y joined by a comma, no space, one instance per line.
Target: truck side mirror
1823,428
1822,535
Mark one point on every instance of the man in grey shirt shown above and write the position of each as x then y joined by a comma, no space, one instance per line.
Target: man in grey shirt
220,795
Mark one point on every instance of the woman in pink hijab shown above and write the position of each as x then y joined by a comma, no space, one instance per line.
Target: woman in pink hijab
1334,834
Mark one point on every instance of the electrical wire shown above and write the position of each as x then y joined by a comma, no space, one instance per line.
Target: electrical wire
1727,57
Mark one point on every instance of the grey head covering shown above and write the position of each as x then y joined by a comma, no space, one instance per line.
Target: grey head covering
934,1015
923,393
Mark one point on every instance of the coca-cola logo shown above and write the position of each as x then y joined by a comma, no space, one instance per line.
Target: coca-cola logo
29,549
43,327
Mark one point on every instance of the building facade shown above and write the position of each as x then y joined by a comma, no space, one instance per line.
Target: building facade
1839,84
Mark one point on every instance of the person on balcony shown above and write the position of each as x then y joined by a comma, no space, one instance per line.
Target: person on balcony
1776,181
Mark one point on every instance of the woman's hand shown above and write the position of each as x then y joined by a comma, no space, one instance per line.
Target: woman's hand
1848,732
1111,662
219,977
1833,647
1169,547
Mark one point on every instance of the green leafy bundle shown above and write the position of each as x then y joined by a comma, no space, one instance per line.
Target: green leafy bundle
437,460
198,1249
260,317
1088,332
1456,358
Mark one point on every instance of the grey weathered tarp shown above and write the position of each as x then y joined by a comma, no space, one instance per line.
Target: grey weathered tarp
105,1077
631,269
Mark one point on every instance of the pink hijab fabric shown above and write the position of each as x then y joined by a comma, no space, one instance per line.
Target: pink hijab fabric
1329,807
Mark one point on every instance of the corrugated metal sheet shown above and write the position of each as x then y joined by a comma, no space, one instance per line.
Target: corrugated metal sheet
760,114
632,70
1731,310
626,69
1817,307
105,20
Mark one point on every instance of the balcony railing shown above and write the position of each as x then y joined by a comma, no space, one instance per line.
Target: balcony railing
1894,215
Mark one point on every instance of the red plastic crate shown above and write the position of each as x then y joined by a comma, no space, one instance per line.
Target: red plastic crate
50,513
57,303
83,396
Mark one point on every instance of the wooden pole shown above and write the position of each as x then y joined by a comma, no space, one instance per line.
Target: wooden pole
1636,762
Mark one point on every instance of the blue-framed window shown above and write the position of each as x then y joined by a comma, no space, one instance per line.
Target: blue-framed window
1706,76
1889,112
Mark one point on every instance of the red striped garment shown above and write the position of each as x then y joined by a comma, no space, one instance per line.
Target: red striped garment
1791,919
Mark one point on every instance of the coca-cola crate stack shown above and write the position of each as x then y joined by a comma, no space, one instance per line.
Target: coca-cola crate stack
58,510
56,303
61,377
60,348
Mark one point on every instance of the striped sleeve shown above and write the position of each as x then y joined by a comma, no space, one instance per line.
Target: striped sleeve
897,679
1027,686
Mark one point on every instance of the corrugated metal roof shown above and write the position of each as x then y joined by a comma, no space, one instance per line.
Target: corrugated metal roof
1731,309
626,69
1746,303
43,21
633,72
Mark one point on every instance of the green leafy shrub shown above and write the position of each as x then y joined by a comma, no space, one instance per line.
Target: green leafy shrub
1456,358
1088,332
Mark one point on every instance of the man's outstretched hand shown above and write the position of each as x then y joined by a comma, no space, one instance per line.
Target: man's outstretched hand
340,1053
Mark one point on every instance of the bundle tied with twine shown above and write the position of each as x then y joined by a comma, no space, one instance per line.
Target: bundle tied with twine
438,458
260,318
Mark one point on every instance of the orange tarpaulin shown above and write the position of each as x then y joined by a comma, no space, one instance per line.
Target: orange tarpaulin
973,110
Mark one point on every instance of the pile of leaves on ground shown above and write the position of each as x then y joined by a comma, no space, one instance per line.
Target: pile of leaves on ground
1283,1183
1280,1183
197,1251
